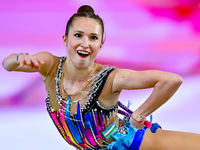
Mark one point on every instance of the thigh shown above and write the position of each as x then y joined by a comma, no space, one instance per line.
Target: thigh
170,140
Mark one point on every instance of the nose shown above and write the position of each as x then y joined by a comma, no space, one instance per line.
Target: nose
85,42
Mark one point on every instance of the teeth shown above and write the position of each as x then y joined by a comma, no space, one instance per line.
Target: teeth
82,52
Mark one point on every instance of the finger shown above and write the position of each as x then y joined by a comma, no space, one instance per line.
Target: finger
21,63
24,62
31,65
28,61
36,64
40,61
36,68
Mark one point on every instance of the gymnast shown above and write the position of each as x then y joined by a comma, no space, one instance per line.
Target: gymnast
82,95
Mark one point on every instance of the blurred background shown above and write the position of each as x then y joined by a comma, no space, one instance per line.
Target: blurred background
140,34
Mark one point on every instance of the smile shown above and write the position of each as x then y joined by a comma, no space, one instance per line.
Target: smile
83,53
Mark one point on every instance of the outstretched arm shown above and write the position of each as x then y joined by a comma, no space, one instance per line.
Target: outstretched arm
165,84
40,62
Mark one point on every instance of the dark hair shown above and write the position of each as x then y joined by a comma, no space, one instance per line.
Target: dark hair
87,12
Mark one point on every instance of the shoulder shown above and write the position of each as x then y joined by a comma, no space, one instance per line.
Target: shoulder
104,68
50,61
127,79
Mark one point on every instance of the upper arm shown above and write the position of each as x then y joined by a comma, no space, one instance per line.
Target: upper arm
130,79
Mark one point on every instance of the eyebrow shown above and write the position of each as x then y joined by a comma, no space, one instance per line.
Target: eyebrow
83,32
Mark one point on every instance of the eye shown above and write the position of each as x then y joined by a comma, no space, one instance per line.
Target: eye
77,35
94,37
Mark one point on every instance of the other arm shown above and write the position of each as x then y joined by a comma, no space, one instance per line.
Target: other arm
165,84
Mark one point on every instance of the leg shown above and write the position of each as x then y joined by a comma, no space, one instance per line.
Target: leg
170,140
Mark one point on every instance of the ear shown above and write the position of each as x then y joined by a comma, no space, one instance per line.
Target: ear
101,46
64,38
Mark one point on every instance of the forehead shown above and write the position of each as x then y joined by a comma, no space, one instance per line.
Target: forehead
86,25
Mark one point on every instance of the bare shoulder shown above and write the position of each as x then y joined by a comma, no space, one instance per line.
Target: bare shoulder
48,60
121,78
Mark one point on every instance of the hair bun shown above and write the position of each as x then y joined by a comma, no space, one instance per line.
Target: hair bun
86,9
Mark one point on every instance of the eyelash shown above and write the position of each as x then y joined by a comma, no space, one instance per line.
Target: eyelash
92,37
77,35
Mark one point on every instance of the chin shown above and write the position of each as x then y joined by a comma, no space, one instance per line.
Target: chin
83,65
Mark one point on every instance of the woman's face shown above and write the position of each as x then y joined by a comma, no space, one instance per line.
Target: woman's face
84,41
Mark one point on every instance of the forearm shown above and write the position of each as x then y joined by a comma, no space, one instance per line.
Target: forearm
162,92
10,62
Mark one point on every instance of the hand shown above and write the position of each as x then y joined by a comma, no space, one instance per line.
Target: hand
136,124
30,60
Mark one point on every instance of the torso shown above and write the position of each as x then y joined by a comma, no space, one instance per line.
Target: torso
107,97
106,102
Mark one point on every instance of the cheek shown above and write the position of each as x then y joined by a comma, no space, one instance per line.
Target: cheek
95,51
72,46
71,50
97,46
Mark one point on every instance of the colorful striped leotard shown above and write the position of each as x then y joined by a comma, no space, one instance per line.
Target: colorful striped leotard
91,126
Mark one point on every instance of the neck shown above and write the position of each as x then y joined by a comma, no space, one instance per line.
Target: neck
75,74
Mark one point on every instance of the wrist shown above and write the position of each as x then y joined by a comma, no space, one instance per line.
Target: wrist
17,57
138,117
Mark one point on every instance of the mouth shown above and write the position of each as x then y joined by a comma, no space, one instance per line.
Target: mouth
83,54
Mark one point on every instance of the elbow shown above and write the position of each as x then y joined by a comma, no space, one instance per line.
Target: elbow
176,80
6,67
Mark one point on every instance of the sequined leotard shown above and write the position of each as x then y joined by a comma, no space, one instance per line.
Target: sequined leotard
91,126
